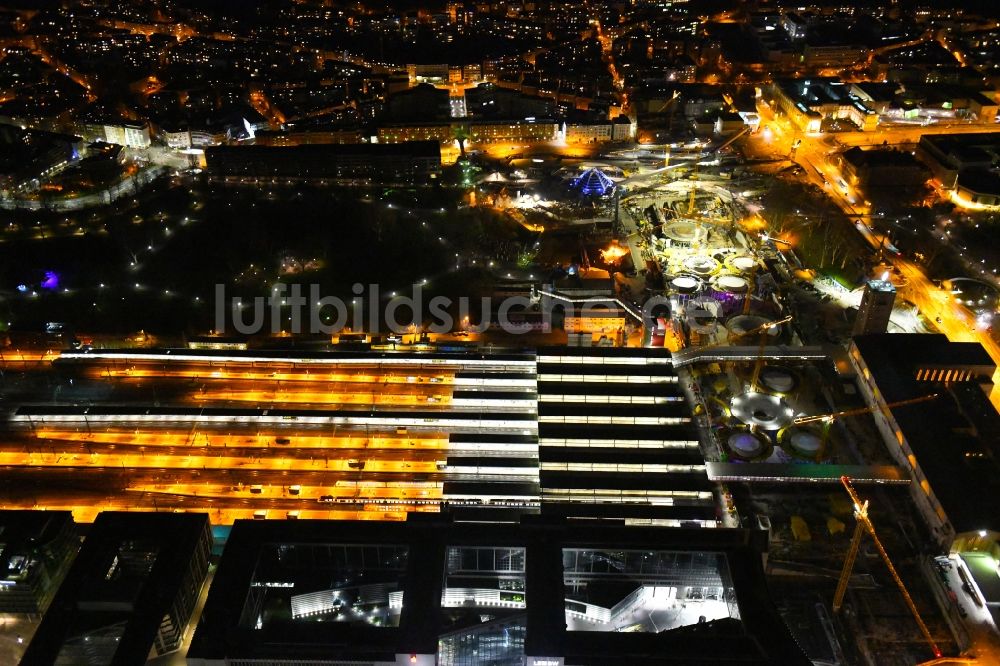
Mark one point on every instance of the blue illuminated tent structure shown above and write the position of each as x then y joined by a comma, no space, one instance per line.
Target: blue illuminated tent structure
593,182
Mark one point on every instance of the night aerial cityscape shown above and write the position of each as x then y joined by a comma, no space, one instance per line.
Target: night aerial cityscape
499,332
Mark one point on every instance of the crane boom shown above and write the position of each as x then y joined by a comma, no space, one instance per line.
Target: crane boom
763,328
759,365
865,525
861,410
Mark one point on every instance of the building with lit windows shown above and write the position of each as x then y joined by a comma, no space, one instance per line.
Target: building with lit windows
486,131
307,136
543,592
442,132
427,73
128,134
592,132
528,130
619,129
27,157
36,550
876,307
966,164
949,444
820,53
808,102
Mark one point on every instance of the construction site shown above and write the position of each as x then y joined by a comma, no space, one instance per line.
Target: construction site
791,439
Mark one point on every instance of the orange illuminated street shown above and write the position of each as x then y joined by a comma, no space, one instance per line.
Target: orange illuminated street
812,152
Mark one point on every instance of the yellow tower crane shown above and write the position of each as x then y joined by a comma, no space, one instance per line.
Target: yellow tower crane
759,365
861,410
865,525
751,281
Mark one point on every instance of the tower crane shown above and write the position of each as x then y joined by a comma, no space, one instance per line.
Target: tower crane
759,365
751,280
864,524
762,330
861,410
670,124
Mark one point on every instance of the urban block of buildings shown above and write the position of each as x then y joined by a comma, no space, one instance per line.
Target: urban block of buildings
966,164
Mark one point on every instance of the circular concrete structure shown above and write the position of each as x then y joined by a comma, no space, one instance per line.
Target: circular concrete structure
701,266
740,324
741,263
779,379
685,284
684,231
745,444
802,441
732,284
762,410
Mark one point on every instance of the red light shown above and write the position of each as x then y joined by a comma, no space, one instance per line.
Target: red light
413,658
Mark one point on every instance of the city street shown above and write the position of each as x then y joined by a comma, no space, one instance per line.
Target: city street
811,153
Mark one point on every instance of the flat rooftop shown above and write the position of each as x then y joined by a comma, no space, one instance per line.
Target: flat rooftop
119,589
955,437
548,585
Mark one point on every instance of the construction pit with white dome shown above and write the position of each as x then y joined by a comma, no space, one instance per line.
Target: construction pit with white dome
762,400
770,405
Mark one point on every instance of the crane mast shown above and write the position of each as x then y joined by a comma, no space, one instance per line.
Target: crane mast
865,525
759,364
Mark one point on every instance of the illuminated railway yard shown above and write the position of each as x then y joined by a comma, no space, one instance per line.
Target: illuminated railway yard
330,436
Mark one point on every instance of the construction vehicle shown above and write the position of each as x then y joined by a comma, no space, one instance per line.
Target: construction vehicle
865,525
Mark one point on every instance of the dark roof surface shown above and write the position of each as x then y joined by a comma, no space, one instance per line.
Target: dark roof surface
955,437
760,637
980,181
87,601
